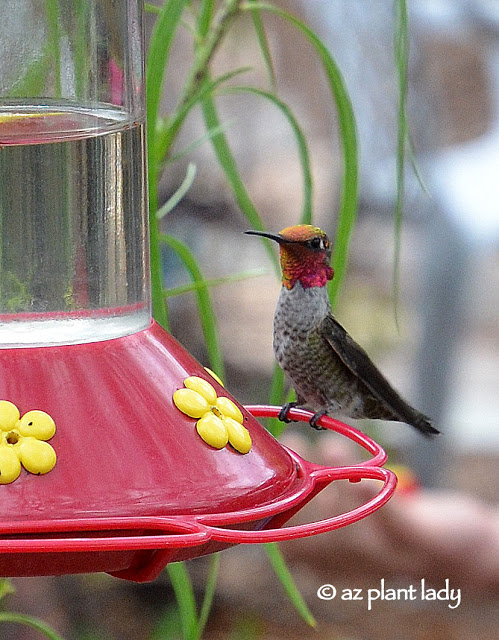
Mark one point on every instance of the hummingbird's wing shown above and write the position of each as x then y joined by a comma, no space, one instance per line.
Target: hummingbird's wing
358,362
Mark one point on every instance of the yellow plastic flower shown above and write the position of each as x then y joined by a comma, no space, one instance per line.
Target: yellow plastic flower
37,424
9,415
22,442
220,421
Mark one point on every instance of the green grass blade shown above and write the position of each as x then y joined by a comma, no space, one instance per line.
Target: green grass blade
209,592
279,565
34,80
207,41
55,34
159,308
166,135
276,426
152,8
29,621
160,44
306,216
157,59
173,201
401,51
186,602
264,47
416,168
228,164
197,143
214,282
276,397
205,308
6,587
277,389
205,16
348,139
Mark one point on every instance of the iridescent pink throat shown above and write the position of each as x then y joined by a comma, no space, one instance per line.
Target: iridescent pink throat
311,270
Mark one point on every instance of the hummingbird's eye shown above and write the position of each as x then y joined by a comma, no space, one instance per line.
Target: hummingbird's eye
317,243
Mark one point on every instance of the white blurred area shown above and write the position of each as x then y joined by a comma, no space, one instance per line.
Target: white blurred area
465,185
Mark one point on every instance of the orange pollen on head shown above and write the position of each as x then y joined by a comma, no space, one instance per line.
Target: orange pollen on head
301,232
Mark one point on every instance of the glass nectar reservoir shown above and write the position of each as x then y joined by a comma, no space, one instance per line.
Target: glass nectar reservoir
73,226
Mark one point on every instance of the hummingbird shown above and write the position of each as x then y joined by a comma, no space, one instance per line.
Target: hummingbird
331,374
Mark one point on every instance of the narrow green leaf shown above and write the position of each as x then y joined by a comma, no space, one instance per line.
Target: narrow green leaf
278,386
184,594
157,59
205,308
348,139
152,8
209,592
277,427
160,44
207,41
34,80
264,47
416,168
205,16
173,201
167,134
159,308
401,50
6,587
306,216
228,164
54,30
276,397
279,565
30,621
197,143
214,282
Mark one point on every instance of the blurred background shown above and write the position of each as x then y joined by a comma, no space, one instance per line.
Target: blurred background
444,521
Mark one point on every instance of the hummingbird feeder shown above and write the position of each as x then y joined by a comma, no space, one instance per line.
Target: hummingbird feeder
119,452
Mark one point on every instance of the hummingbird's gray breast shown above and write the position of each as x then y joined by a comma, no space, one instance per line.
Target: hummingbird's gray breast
299,348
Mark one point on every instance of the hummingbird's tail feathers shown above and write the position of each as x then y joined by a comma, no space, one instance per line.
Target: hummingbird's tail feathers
397,410
423,424
403,412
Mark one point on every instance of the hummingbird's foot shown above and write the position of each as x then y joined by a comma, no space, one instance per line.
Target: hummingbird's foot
283,413
315,419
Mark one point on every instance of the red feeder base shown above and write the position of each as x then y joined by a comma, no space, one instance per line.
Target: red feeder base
134,486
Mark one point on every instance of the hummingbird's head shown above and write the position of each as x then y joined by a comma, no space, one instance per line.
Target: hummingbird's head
305,254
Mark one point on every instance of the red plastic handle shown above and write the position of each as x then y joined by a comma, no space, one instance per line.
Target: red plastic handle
318,474
328,524
173,532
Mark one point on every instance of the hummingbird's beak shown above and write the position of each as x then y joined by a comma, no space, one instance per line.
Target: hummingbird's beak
266,234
